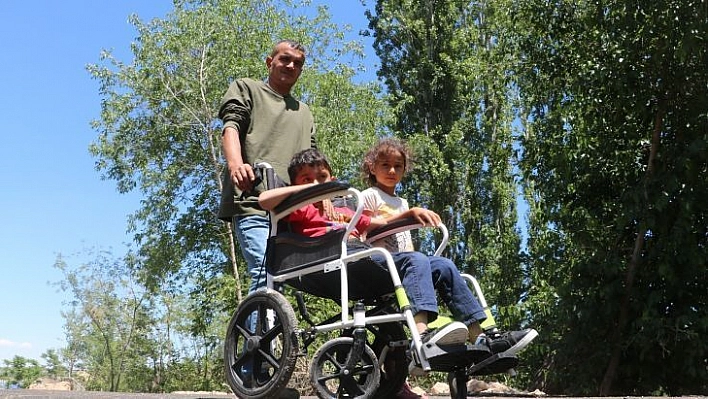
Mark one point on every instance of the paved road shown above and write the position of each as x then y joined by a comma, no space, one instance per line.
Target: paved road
39,394
42,394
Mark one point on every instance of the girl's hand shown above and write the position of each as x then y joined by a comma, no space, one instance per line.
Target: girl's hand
425,217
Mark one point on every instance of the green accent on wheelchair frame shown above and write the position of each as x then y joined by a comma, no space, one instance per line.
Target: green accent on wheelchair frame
401,297
489,322
440,321
445,320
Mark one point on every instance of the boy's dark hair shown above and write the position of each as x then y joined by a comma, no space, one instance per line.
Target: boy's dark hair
308,157
383,147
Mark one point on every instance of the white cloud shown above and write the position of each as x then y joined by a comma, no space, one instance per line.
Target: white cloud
6,343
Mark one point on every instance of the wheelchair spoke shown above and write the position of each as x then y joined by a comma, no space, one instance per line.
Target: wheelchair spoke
259,358
332,375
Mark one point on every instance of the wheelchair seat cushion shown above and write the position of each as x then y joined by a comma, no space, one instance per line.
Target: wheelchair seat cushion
290,252
368,281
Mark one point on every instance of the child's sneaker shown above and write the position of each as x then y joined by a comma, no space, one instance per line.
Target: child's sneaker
451,334
509,343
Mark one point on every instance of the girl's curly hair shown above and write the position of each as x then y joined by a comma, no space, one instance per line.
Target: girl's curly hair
385,146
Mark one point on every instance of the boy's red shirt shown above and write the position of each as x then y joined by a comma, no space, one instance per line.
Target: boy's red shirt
310,222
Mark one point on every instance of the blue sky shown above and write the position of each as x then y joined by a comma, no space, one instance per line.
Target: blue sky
52,200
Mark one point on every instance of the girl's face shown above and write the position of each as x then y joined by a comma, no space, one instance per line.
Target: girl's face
388,170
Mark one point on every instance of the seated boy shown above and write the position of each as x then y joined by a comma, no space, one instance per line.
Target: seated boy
420,274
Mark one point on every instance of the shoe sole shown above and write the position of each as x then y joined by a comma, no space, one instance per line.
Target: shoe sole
522,343
457,335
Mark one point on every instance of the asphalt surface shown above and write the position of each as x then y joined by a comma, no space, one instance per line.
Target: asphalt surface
44,394
40,394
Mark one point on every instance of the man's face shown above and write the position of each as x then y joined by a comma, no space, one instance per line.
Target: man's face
285,67
310,174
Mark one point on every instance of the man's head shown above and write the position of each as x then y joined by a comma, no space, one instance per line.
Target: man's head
309,166
285,64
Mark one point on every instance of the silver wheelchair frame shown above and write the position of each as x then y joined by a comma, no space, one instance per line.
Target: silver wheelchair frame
263,338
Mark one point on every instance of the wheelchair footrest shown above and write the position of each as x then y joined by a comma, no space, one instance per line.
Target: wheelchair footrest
495,364
456,357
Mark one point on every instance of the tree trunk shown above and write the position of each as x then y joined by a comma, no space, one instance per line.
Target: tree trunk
623,317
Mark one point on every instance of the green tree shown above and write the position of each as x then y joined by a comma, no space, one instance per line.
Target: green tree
158,133
22,371
614,107
129,338
447,82
53,367
110,319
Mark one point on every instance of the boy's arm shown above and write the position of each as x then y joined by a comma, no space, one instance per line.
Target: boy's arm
269,199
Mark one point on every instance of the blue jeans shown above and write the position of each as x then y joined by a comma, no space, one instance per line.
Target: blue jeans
422,275
252,234
455,292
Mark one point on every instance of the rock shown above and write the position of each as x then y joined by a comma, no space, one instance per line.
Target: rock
50,384
497,387
476,386
440,388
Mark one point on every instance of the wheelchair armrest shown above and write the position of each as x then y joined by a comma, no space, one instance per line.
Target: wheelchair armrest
302,197
401,225
392,228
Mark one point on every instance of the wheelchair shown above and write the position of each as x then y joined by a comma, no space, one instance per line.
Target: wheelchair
370,353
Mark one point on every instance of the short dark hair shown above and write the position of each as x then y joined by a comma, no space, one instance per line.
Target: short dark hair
308,157
292,43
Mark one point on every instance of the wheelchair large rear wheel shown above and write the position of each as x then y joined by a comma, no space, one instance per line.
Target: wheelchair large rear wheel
332,379
261,346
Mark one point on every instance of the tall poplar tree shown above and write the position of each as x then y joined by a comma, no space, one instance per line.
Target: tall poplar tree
446,80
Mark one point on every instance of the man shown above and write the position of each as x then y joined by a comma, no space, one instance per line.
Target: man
262,123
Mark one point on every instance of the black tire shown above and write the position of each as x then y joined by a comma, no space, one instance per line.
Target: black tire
457,380
273,348
394,365
330,378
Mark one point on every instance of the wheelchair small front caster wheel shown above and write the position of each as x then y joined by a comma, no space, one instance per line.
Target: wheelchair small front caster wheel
261,347
393,360
457,380
332,378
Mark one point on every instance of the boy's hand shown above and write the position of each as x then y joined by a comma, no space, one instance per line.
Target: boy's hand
327,208
426,217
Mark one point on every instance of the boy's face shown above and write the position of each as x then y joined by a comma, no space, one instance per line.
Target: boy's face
389,169
310,174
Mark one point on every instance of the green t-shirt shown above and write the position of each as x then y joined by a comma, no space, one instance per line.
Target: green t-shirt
272,128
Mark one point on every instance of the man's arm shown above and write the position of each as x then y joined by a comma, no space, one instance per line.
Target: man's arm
241,174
